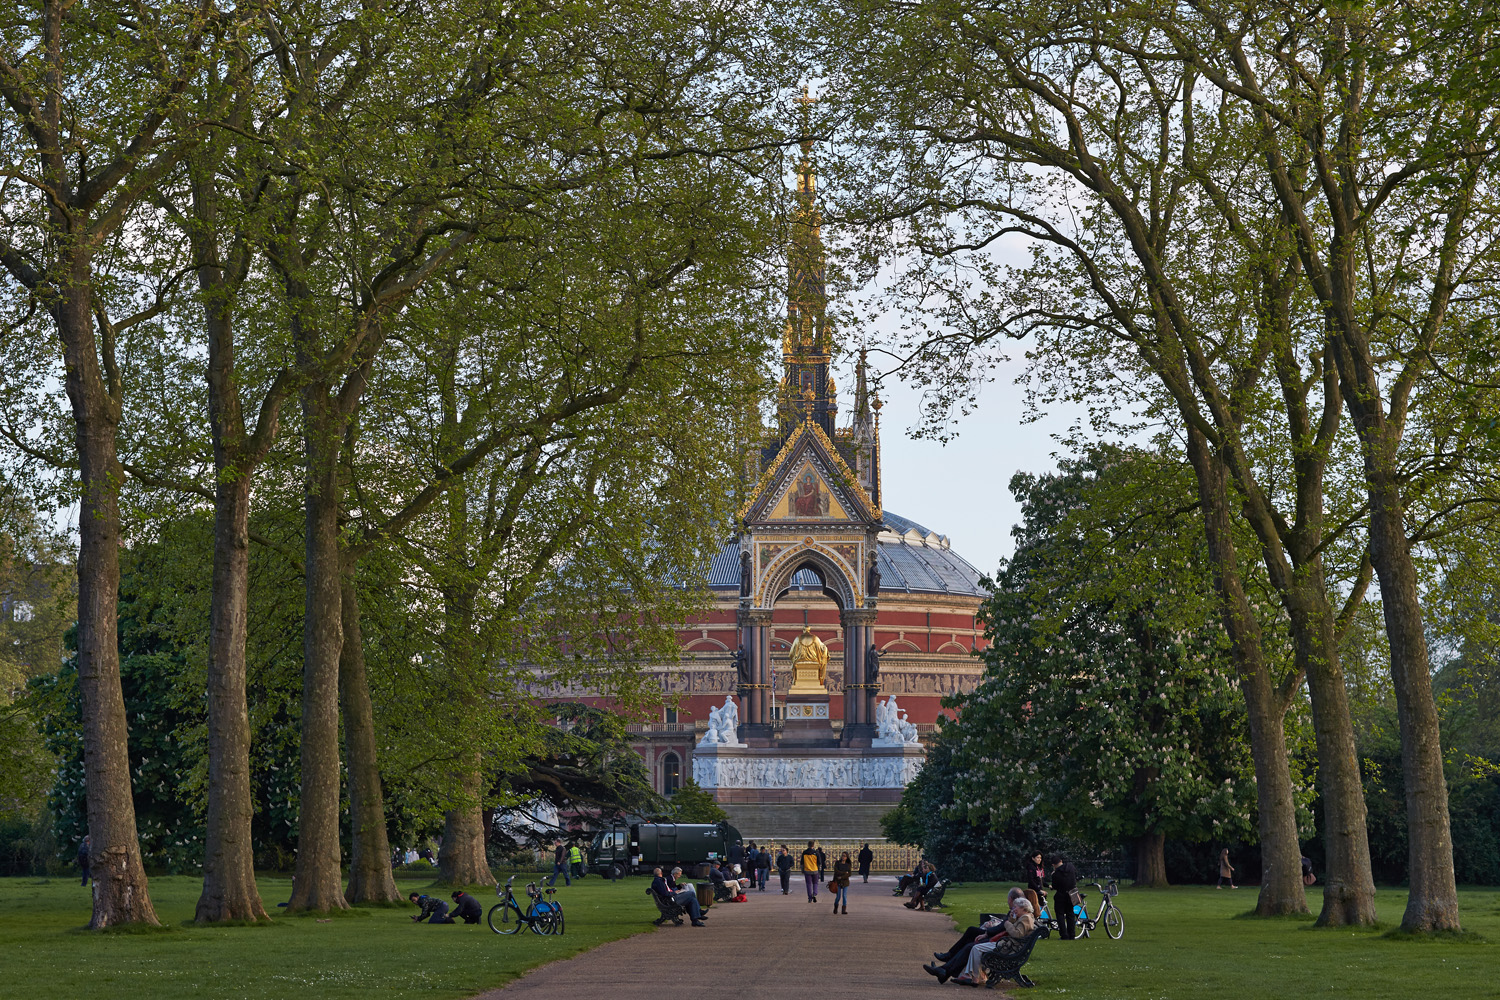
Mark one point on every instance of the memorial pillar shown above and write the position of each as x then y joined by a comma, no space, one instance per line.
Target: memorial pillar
858,729
754,635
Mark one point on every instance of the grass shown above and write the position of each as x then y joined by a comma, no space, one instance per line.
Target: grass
372,952
1185,943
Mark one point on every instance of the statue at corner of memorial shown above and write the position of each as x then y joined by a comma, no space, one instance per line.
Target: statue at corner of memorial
723,725
892,727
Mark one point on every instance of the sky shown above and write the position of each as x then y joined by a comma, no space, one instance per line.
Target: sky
961,489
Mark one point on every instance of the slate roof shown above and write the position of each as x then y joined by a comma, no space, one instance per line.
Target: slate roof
907,565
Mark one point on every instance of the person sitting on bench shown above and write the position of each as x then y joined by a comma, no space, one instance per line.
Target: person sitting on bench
1016,929
723,883
904,882
925,884
666,889
953,961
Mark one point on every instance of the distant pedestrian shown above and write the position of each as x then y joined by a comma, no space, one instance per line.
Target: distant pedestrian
866,858
575,860
784,869
763,868
810,872
752,860
83,858
1308,878
842,869
1226,870
560,864
737,853
822,862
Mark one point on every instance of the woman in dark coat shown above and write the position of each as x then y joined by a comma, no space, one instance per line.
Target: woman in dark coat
866,858
842,869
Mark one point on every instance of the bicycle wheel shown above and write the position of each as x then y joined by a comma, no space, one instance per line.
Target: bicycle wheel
557,919
1114,923
539,918
504,918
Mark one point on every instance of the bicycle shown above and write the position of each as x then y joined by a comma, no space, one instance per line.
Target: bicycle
1109,913
544,915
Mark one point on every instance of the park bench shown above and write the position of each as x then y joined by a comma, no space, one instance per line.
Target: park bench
999,966
669,909
934,896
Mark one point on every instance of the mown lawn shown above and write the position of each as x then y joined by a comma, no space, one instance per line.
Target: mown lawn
1189,943
375,952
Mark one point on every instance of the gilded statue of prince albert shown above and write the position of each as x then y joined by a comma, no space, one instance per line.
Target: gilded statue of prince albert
808,653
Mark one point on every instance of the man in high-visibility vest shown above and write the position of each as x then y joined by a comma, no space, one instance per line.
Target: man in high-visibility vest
575,859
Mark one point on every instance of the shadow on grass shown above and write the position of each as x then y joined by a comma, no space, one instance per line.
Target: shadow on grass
1291,918
1436,937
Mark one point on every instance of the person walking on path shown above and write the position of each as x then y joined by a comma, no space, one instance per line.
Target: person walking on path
763,868
842,869
866,858
560,864
784,869
822,862
810,872
575,861
83,858
1226,870
1064,884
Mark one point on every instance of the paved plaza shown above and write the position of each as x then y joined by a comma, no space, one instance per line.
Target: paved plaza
774,946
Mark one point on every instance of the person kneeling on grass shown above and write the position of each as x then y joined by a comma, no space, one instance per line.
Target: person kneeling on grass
433,910
466,907
1017,927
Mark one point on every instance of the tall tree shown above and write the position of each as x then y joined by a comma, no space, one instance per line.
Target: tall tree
88,132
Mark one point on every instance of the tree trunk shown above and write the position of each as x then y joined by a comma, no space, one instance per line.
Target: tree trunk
121,895
318,880
1349,887
1433,901
462,859
1151,861
229,890
1281,890
370,878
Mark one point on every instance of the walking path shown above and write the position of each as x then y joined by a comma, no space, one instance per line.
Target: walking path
802,950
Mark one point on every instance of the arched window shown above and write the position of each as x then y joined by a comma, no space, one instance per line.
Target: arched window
671,774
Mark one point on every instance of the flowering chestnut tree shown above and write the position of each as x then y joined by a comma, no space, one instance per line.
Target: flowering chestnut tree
1109,705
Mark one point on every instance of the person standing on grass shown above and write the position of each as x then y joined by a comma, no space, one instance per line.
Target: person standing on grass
1226,870
83,858
784,869
866,858
1036,878
810,871
842,869
575,861
1064,884
560,864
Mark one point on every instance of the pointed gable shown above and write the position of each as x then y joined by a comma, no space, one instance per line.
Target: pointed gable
808,482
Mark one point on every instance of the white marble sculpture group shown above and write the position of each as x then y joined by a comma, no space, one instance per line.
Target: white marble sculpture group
715,771
892,728
723,722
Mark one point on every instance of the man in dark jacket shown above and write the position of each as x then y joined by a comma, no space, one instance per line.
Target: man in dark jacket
822,864
763,868
737,853
1064,883
432,909
784,869
560,864
665,888
466,908
866,858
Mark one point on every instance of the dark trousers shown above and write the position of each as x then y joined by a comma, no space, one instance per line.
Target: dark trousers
559,869
1062,909
960,959
85,866
864,873
688,900
786,881
967,939
764,877
812,884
